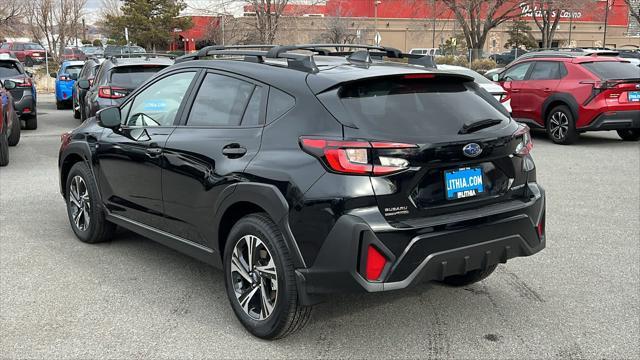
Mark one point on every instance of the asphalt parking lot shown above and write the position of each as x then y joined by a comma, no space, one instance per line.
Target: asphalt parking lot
579,298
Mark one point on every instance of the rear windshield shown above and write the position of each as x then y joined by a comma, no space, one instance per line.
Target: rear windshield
399,106
130,77
73,69
8,69
613,70
33,47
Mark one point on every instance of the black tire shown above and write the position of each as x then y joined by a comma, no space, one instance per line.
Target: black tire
561,126
97,228
471,277
14,139
31,122
629,134
4,149
287,315
83,115
60,105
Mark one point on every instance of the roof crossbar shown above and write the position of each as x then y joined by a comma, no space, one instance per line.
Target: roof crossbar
361,54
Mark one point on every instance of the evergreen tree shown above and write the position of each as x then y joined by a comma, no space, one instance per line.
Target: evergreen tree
150,23
520,35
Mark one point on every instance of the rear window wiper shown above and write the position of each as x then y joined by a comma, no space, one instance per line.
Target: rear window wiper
478,125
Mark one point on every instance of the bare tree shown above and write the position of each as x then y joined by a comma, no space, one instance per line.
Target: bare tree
338,31
634,9
478,17
110,8
10,12
267,18
54,21
547,14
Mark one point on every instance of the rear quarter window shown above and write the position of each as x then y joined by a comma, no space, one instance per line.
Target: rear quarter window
608,70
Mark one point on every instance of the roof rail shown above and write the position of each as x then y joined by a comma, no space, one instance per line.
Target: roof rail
361,54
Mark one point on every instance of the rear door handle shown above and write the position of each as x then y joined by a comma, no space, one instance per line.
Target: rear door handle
233,151
515,90
547,90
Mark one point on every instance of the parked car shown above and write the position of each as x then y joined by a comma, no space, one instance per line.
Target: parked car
307,176
491,87
9,123
508,56
425,51
93,51
24,92
568,94
118,50
65,79
632,56
28,53
116,78
73,54
88,73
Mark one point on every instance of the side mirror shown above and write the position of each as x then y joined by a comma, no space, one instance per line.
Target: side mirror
53,75
9,85
109,117
495,77
84,84
29,73
74,76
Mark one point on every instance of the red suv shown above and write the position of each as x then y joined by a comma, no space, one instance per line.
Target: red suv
568,94
28,53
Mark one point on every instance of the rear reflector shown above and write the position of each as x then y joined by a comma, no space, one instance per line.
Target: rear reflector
541,227
375,263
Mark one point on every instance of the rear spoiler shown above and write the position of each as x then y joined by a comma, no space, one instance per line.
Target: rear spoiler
321,85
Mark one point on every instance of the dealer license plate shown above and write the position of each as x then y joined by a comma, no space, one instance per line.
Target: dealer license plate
463,183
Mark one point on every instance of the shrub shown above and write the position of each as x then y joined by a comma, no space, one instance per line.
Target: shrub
483,65
459,60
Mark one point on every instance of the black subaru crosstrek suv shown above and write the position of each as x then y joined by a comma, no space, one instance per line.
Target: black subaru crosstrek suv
304,171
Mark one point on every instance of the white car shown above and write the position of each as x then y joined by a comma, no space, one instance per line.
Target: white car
492,88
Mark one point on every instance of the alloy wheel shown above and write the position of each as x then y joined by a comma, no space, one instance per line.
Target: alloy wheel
254,277
559,125
80,203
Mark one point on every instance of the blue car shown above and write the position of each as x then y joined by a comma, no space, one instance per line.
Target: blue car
65,78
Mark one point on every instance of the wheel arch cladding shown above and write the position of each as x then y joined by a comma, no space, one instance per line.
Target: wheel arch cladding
559,99
249,198
68,162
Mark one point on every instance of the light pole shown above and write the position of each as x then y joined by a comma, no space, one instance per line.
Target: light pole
606,18
433,36
375,17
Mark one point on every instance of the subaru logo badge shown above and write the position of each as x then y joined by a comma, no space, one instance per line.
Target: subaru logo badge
472,150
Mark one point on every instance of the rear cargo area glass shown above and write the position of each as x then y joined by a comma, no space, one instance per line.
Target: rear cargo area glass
130,77
613,70
399,106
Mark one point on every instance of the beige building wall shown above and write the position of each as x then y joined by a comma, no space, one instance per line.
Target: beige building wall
405,34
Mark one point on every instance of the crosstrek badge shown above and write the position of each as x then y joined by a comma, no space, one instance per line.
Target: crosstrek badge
463,183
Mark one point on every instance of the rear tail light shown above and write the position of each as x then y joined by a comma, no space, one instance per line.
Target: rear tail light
108,92
356,157
375,263
525,143
24,82
64,78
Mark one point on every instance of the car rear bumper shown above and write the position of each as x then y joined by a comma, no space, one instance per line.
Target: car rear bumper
431,253
25,105
615,120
